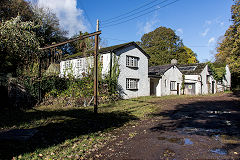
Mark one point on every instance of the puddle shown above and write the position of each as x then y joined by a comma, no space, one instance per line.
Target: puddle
187,141
200,131
217,137
181,141
228,123
219,112
225,139
219,151
212,116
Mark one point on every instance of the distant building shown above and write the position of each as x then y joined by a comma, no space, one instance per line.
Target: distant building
198,79
165,80
169,79
225,83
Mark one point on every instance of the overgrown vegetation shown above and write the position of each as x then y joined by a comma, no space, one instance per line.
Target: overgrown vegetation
218,70
70,132
228,50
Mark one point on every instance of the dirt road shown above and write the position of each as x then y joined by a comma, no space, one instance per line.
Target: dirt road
202,127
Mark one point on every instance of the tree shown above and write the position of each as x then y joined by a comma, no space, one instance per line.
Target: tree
163,44
50,31
18,44
81,46
12,8
228,50
186,56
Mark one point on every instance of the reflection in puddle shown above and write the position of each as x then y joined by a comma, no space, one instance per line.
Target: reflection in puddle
181,141
219,151
225,139
187,141
219,112
201,131
228,123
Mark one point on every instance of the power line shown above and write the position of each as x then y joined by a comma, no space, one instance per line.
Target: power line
200,46
86,15
115,20
129,11
140,15
115,39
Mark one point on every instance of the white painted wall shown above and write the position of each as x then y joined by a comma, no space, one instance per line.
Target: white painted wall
227,79
140,73
172,74
74,70
196,79
162,85
207,83
157,85
205,86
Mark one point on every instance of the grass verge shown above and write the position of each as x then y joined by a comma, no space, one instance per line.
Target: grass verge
70,132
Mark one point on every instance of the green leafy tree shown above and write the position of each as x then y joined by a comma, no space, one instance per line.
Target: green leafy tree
18,44
12,8
186,56
228,50
218,70
163,44
50,31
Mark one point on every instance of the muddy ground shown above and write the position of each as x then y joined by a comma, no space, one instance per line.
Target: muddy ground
205,127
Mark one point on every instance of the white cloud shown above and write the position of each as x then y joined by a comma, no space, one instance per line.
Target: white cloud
208,22
205,32
180,31
147,26
211,40
70,17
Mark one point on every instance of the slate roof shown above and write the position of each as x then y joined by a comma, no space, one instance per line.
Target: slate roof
158,71
191,69
108,49
187,69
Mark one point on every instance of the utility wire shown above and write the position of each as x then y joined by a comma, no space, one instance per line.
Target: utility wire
87,15
129,11
115,20
200,46
115,39
140,15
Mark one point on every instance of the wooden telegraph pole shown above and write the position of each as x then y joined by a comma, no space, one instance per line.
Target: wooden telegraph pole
96,34
96,71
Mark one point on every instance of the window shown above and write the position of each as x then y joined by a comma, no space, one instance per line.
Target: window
67,64
172,85
165,83
132,61
132,83
208,79
79,63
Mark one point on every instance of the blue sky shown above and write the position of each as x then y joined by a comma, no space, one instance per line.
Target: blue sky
199,23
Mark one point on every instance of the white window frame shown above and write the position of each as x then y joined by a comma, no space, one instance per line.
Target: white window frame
79,63
67,64
132,83
173,85
132,61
